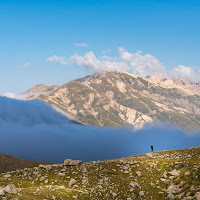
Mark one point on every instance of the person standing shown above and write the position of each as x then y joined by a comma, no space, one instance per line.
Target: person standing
151,148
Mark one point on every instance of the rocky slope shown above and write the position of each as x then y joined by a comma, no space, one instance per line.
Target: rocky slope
159,175
115,98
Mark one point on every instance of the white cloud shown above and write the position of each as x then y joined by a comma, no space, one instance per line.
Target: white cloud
13,95
81,44
143,65
90,61
27,65
10,95
183,72
137,63
59,59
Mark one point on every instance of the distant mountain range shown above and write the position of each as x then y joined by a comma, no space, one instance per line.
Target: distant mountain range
116,98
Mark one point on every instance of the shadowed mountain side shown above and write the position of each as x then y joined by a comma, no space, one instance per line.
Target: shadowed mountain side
10,163
30,113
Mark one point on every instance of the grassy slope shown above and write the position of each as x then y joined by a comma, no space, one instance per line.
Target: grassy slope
110,179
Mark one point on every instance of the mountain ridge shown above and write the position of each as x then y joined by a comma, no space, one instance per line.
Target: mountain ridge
116,98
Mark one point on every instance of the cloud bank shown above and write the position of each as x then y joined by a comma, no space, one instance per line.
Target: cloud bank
29,112
34,130
137,63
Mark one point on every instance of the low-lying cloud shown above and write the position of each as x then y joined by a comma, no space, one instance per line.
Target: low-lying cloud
29,113
34,130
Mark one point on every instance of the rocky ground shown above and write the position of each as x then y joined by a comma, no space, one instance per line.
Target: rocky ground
159,175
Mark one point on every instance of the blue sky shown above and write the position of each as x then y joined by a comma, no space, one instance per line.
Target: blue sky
33,31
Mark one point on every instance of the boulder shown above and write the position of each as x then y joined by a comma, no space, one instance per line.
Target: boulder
149,155
141,193
71,182
61,174
6,175
1,192
69,162
134,184
197,195
175,172
172,188
10,189
138,173
75,162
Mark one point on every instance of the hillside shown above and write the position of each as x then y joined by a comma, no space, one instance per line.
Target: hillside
10,163
115,98
160,175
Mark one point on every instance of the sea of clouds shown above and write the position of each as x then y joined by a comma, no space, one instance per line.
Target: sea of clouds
34,130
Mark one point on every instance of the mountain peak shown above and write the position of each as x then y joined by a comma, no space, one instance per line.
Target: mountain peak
116,98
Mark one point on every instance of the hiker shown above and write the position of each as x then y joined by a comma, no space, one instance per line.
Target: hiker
151,148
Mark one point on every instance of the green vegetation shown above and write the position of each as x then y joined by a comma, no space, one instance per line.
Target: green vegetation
157,176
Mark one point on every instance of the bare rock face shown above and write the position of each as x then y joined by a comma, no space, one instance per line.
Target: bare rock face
115,98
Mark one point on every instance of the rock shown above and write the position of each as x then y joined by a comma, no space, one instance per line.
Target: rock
61,187
141,193
61,174
165,174
172,188
46,181
170,196
187,173
75,162
6,175
71,182
67,161
1,192
134,184
149,155
114,194
42,178
41,166
10,189
56,165
197,195
138,173
175,172
48,167
84,170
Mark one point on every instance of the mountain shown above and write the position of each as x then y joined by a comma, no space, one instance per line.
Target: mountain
116,98
159,175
